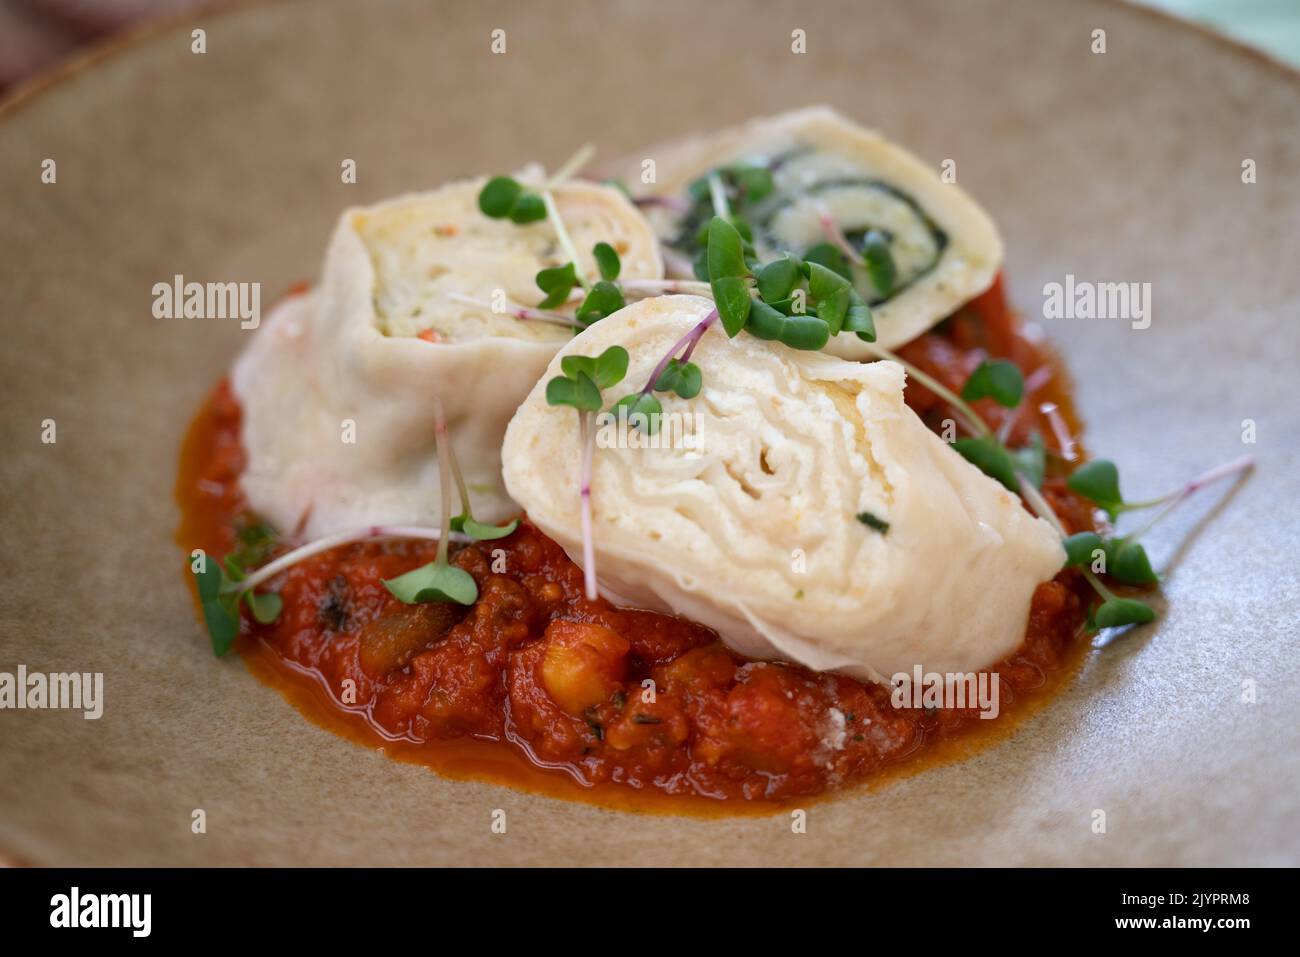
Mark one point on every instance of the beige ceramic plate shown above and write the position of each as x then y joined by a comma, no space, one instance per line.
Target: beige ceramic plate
1122,166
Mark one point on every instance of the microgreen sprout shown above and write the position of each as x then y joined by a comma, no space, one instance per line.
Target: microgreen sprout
518,312
780,312
995,379
580,385
607,261
673,373
439,580
735,186
562,236
465,523
220,591
220,595
879,261
1124,559
802,303
503,197
224,585
718,196
838,254
660,287
1059,429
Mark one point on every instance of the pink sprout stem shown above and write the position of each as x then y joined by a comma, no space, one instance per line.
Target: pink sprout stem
288,560
587,432
837,237
657,287
1174,499
518,312
687,342
674,203
1060,430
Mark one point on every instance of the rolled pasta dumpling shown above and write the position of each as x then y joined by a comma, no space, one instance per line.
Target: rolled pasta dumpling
337,390
810,517
818,186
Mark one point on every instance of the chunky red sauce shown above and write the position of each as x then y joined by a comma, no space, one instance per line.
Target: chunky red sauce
538,687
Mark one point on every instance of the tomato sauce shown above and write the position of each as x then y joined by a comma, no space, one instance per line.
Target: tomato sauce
537,687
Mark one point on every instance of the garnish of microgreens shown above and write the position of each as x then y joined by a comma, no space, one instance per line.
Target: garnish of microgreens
223,585
1121,558
439,580
580,387
802,304
503,197
875,257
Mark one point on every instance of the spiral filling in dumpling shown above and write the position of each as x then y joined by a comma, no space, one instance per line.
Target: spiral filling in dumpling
814,185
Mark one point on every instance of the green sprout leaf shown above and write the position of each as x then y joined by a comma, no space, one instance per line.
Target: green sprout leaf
220,611
572,365
607,261
604,299
1127,562
434,582
753,182
611,367
606,369
482,531
1031,460
502,196
498,196
989,456
879,261
831,292
255,542
580,392
642,411
684,378
557,282
727,272
809,333
833,308
996,379
1098,481
528,208
777,279
731,296
266,607
858,318
1080,547
828,255
1116,612
726,251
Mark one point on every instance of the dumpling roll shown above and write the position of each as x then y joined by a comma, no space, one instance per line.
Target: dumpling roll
807,513
819,187
337,389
